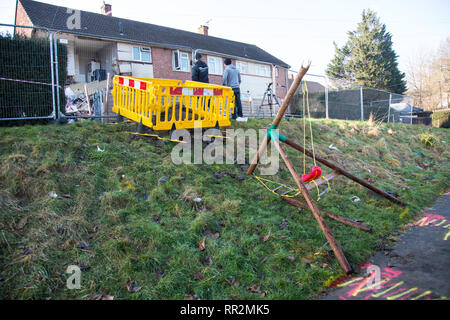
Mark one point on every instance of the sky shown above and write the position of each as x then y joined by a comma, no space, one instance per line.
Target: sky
291,30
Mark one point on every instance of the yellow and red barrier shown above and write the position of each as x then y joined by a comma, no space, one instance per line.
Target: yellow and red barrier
164,104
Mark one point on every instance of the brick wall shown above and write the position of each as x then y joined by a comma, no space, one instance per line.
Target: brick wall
213,78
22,19
163,67
282,86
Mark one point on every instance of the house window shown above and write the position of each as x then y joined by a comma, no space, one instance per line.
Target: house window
242,66
263,70
142,54
215,65
180,61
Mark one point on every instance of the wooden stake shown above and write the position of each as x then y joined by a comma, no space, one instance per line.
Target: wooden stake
105,107
315,210
280,114
345,173
87,99
297,203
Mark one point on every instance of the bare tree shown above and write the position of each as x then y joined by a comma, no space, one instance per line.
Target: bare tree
428,77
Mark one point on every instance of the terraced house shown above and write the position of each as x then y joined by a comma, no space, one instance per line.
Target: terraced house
99,43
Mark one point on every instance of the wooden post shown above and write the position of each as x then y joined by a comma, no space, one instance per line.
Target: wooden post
280,114
315,210
345,173
105,107
87,98
297,203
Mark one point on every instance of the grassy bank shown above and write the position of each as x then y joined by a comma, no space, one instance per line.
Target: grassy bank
141,227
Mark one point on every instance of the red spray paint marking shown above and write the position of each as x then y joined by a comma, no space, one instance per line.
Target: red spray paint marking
386,273
428,218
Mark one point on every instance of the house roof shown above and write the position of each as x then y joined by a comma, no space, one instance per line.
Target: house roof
99,25
312,86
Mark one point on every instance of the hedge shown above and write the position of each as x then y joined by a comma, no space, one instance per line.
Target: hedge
441,118
28,59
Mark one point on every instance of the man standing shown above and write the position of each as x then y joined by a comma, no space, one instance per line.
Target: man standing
232,78
200,69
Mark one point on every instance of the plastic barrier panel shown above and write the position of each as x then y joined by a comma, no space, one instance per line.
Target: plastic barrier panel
164,104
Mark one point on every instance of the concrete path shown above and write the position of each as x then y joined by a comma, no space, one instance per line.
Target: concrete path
417,268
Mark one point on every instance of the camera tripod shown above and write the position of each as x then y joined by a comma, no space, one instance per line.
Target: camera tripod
270,97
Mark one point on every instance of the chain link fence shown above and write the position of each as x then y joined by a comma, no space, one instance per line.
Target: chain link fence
336,99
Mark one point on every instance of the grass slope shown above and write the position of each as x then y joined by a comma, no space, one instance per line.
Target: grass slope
128,218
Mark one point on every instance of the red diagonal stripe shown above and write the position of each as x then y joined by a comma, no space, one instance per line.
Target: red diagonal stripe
218,92
121,80
143,85
131,83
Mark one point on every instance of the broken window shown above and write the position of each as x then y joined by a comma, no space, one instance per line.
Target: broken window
180,61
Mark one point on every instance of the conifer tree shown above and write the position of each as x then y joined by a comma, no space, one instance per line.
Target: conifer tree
368,57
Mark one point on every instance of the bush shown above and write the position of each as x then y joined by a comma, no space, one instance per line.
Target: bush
28,59
441,119
428,139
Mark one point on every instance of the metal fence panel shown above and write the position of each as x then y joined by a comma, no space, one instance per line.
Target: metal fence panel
312,92
26,73
339,99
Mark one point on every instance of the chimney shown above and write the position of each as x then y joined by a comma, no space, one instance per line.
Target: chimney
203,30
106,9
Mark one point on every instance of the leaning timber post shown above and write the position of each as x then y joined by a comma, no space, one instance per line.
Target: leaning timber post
297,203
345,173
315,210
279,116
105,107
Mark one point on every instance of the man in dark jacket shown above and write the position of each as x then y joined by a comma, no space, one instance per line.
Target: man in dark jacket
200,70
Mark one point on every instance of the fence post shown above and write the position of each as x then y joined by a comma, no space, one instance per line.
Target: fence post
326,97
52,65
362,103
57,73
389,108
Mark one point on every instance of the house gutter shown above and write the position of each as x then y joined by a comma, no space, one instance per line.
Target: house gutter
231,56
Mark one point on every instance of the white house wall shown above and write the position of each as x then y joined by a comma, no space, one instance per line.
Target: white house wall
124,51
71,59
142,70
125,57
254,85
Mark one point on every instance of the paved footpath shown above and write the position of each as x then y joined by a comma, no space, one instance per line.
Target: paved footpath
417,268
